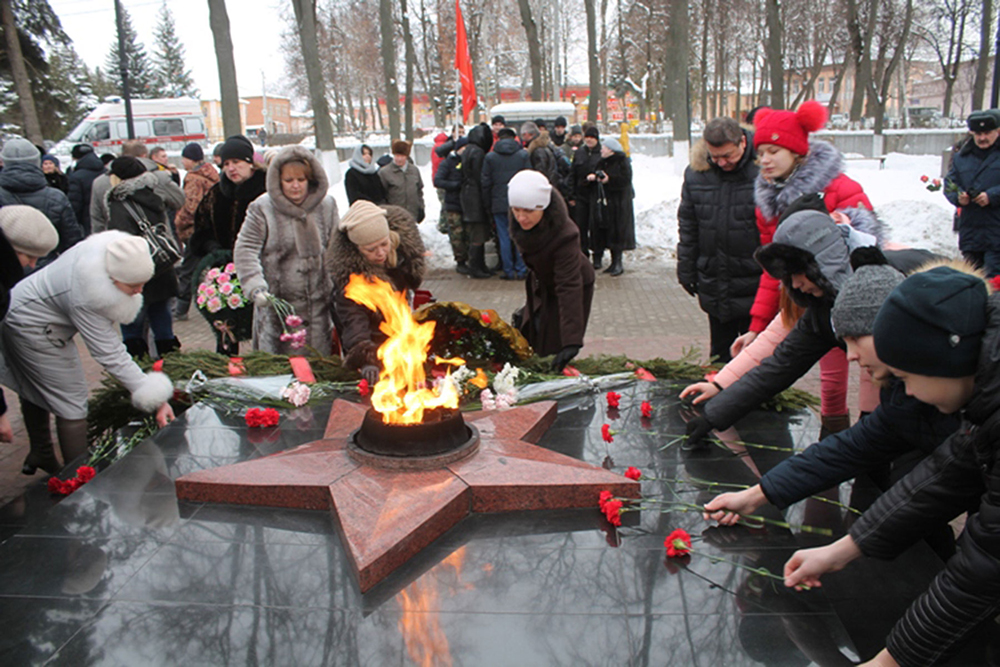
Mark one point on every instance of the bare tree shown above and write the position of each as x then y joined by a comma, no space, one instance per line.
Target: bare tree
983,63
593,61
944,31
218,19
22,84
534,49
411,60
675,67
775,54
305,17
893,37
386,26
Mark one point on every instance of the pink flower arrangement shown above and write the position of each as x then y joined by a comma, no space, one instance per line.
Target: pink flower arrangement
221,289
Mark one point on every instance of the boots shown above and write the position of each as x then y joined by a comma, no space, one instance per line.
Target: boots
616,268
477,263
164,347
598,259
831,424
41,455
462,267
137,347
72,438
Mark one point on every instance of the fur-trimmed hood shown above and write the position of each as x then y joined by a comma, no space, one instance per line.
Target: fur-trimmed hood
343,257
822,164
318,185
95,290
541,141
121,190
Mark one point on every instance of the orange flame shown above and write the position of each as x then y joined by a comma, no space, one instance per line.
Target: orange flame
401,394
420,622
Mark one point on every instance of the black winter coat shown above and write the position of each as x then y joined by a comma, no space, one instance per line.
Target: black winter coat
548,159
474,207
449,179
363,186
25,184
57,180
974,170
718,234
220,214
585,162
139,192
964,470
560,283
506,159
10,273
900,424
81,182
805,344
617,214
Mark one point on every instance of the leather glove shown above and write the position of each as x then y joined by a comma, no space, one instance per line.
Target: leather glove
697,429
370,373
260,298
691,289
564,356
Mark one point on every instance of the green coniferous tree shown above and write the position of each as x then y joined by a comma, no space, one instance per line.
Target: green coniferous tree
71,95
172,78
141,81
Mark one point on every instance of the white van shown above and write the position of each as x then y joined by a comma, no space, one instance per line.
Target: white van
171,123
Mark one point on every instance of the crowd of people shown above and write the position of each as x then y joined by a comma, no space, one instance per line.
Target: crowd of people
782,249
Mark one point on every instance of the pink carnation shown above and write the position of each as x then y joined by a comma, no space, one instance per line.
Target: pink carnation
226,288
285,337
235,301
213,273
202,299
223,278
230,268
214,304
210,291
293,321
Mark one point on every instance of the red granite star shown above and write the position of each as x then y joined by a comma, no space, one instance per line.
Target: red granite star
385,517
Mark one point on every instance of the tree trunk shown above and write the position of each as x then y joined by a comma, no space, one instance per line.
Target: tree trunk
593,62
305,19
389,66
703,60
675,89
411,59
983,65
775,55
22,84
603,52
218,20
878,92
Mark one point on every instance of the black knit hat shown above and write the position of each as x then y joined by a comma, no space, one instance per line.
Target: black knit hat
859,300
560,121
592,132
193,152
933,324
237,147
127,167
498,119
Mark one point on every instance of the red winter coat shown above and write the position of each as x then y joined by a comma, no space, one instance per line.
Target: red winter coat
822,171
436,159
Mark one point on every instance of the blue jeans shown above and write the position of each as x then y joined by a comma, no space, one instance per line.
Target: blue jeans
511,258
160,321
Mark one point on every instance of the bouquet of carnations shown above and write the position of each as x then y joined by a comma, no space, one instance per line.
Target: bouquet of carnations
221,300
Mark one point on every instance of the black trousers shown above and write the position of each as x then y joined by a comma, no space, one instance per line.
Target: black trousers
722,335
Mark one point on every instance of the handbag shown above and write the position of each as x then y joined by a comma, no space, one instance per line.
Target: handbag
162,247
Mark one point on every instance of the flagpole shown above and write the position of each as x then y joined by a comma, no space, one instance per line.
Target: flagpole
459,116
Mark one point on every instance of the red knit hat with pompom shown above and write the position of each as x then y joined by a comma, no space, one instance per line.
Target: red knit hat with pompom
789,129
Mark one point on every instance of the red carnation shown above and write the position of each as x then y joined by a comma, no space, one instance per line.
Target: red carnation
647,409
613,399
606,433
85,473
55,485
633,473
924,178
678,543
995,282
612,512
363,388
257,418
486,318
604,498
571,372
643,374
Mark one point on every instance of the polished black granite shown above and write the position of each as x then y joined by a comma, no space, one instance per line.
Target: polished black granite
120,573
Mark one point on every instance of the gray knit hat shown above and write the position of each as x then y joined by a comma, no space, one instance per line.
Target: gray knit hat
21,150
860,298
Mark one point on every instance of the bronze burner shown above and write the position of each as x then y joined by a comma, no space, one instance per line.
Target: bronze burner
442,438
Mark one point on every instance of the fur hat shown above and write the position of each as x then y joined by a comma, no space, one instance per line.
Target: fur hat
506,133
592,132
127,167
862,295
498,119
128,260
529,189
28,230
21,150
237,147
365,223
80,150
789,129
933,324
193,152
982,121
400,147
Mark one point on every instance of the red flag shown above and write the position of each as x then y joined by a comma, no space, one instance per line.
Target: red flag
464,64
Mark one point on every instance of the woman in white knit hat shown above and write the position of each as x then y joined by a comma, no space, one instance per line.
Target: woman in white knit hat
26,236
280,247
90,289
560,283
373,241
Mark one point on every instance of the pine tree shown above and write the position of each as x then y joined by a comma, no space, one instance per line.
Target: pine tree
171,77
71,93
101,85
140,74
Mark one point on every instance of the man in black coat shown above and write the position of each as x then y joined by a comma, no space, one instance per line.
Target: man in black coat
448,178
81,181
506,159
583,198
718,232
475,211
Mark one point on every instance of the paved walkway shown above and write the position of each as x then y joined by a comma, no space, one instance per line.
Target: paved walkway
643,314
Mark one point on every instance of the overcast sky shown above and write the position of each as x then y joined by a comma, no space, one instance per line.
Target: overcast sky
255,25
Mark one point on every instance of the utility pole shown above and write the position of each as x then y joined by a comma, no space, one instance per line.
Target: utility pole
263,92
123,66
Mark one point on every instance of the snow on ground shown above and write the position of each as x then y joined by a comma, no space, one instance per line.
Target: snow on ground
913,215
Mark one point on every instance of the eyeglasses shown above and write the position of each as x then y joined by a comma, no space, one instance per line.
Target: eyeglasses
729,156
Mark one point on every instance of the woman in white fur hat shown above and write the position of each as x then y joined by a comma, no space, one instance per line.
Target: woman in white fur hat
90,289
